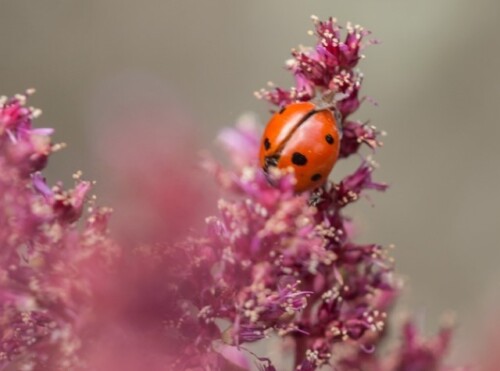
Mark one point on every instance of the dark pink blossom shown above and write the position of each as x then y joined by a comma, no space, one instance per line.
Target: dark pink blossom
355,134
327,69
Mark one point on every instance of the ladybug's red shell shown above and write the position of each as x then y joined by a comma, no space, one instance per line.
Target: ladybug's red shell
305,138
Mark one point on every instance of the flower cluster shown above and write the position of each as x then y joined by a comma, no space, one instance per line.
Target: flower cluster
350,286
268,239
271,262
289,263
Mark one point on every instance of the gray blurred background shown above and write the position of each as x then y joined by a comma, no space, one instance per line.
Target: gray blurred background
435,76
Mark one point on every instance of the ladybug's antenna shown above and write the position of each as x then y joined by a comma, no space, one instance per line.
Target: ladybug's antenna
332,107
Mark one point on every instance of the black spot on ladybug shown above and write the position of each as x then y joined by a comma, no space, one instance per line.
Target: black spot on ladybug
299,159
267,144
282,110
329,138
316,177
271,161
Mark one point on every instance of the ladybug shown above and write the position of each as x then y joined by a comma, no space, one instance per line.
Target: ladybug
304,137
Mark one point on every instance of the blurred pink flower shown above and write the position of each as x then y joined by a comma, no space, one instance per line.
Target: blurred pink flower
48,265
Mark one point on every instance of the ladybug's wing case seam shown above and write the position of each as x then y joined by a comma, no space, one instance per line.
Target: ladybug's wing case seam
280,129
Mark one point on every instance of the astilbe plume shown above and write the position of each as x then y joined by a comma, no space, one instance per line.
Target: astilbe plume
289,264
271,262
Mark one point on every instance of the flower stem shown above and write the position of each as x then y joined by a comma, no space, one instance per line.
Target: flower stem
300,349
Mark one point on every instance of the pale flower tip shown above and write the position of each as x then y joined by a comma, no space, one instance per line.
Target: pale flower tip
21,99
58,146
449,319
77,175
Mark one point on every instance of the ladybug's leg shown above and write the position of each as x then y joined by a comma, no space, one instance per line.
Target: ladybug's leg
271,161
324,107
